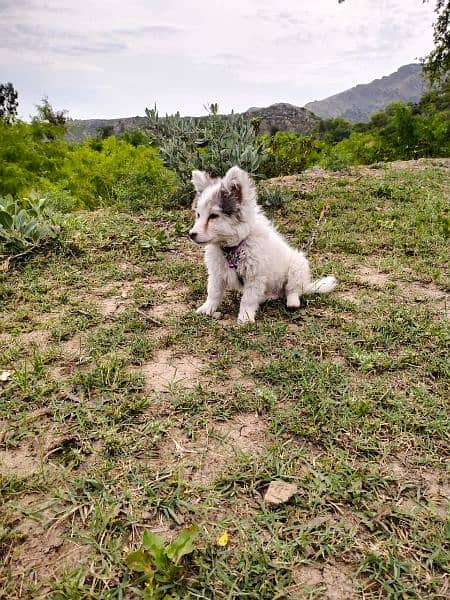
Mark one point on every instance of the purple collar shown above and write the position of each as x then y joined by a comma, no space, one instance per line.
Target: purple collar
231,254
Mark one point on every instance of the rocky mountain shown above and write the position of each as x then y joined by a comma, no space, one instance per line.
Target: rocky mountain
80,129
360,102
284,117
278,117
356,104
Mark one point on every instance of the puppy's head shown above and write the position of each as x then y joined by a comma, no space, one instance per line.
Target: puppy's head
223,207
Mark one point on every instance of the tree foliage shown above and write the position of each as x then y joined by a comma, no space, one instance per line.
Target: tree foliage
437,63
8,102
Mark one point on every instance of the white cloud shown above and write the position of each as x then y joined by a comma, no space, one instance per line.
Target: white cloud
107,58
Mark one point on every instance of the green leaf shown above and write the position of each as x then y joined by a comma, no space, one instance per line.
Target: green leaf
5,219
138,561
152,541
155,545
183,544
29,228
21,218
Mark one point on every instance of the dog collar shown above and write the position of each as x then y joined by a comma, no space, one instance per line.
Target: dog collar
231,254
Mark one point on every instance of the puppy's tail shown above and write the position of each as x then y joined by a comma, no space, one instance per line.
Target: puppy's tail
322,286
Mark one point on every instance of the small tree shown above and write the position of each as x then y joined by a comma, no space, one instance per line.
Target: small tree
47,114
49,124
8,102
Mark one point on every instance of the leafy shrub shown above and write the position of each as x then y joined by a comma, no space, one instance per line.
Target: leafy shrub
28,157
100,172
359,148
288,153
25,226
213,143
273,197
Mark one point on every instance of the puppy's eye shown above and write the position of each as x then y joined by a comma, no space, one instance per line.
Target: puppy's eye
198,215
213,216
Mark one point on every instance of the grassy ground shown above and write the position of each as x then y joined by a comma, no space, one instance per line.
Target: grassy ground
126,411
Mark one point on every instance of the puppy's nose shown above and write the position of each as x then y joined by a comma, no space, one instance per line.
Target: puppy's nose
192,235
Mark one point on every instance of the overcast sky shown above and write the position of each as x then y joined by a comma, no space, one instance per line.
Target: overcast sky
110,58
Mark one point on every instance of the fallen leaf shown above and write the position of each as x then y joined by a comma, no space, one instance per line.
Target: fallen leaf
223,539
279,492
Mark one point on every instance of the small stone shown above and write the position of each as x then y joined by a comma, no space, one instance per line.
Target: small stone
217,315
279,492
5,375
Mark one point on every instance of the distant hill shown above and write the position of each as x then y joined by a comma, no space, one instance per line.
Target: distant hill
79,129
284,117
360,102
356,104
278,117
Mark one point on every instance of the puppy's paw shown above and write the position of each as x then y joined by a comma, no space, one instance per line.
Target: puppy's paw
293,301
245,317
206,309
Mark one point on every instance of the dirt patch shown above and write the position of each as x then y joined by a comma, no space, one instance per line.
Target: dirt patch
129,267
170,300
19,462
244,433
166,370
235,377
437,485
38,337
373,276
349,295
434,484
421,292
112,298
74,348
332,581
6,339
44,556
209,455
170,306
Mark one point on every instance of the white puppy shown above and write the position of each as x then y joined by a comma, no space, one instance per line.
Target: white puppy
243,250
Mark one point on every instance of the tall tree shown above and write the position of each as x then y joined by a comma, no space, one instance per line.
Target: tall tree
8,102
437,63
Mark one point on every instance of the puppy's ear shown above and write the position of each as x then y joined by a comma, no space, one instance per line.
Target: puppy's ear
236,178
235,189
230,199
201,180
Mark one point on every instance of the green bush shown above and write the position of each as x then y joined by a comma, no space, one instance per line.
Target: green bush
28,156
25,226
213,143
359,148
104,172
288,153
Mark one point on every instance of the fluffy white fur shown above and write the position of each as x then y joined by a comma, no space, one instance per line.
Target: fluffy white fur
267,267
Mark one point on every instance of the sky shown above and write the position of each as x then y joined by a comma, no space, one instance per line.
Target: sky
110,58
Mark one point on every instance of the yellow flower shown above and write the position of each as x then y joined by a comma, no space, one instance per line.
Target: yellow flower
223,539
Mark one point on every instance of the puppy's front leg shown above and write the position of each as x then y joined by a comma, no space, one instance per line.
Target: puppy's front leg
216,290
251,299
